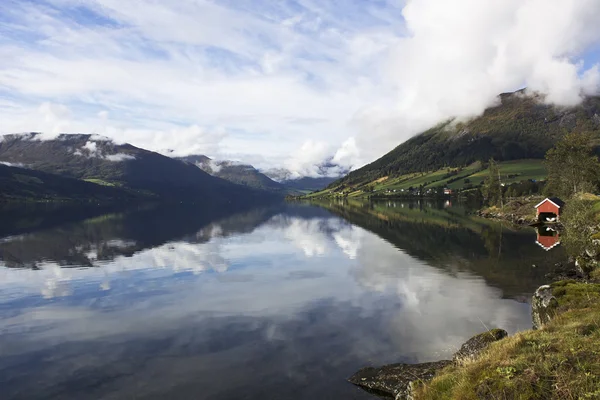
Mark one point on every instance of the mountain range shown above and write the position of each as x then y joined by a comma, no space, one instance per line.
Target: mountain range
276,180
94,168
86,167
122,167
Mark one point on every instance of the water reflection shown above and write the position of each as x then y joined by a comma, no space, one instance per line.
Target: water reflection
280,302
452,239
548,237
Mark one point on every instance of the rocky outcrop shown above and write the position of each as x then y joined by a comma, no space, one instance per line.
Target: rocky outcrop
474,346
543,306
398,380
395,379
589,259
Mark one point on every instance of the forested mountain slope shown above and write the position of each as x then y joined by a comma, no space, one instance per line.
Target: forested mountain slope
520,127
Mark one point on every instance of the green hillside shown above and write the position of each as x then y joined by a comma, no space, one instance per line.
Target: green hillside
452,178
20,184
520,128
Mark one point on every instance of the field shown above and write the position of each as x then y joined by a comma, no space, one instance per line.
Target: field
452,178
511,172
99,182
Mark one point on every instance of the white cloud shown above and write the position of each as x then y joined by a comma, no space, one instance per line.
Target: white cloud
304,162
119,157
9,164
348,155
92,148
56,119
180,141
293,81
460,55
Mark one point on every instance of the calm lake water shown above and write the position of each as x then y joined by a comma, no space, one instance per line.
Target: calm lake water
282,302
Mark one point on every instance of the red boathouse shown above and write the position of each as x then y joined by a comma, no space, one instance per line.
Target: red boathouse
549,209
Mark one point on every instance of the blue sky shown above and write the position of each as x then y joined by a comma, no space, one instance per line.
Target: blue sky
282,83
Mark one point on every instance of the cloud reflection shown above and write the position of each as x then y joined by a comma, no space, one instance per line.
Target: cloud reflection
303,298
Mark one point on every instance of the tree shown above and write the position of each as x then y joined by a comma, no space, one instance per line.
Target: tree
492,189
572,167
577,228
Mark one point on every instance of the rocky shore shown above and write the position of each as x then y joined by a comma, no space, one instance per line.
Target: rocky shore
555,320
398,380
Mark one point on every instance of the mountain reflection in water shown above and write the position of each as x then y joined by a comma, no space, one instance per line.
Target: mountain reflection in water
282,302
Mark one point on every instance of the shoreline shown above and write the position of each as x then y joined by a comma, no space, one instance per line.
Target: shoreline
493,362
555,359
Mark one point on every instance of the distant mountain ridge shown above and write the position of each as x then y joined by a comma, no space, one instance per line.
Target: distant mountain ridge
308,183
238,173
100,160
276,180
520,127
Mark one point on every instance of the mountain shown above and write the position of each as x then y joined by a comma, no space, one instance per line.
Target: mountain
328,173
308,184
276,180
521,126
238,173
20,184
100,160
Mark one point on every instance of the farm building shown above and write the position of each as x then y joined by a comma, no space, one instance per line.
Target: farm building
549,209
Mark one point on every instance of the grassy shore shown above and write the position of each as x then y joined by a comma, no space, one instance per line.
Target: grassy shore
559,361
518,210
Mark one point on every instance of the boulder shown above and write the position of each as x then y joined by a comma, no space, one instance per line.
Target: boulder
395,379
543,306
474,346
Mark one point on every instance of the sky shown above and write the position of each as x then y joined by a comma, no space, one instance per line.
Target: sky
288,83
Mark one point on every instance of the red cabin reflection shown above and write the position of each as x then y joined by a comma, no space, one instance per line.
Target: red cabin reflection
547,237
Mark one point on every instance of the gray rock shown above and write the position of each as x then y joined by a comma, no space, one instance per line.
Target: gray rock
584,266
395,379
543,306
474,346
591,252
569,121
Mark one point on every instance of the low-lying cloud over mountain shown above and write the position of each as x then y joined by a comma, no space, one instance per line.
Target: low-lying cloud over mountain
289,84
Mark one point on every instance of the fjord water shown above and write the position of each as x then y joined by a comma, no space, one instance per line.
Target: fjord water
280,302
